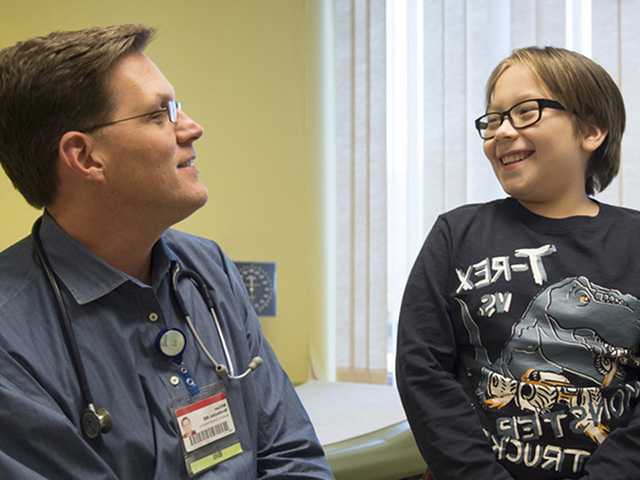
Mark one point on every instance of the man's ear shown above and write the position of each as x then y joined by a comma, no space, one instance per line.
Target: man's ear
77,156
592,137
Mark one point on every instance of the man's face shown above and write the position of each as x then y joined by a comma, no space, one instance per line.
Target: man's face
147,168
540,163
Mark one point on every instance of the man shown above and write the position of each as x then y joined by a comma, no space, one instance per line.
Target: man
90,130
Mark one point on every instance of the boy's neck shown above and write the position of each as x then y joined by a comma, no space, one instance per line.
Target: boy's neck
583,206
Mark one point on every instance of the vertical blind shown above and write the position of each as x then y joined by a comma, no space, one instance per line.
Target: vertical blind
361,280
410,78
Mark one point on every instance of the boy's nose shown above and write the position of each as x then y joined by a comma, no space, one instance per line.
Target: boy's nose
505,130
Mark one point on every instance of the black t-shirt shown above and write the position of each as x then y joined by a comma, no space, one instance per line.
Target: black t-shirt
516,342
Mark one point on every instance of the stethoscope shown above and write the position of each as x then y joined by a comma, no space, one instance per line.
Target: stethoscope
171,342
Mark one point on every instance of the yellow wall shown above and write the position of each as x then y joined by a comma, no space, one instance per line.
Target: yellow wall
247,71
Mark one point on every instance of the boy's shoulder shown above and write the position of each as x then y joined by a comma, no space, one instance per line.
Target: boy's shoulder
474,212
471,209
622,212
508,209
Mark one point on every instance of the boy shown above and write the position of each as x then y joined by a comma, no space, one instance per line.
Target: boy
520,323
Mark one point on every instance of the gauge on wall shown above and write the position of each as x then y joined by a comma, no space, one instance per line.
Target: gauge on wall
260,280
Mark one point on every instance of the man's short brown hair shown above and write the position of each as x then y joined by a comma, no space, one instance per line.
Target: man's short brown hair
51,85
585,89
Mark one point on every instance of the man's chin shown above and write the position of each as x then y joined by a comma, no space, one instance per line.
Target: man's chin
187,208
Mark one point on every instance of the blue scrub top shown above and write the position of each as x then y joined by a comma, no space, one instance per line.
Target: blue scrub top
116,320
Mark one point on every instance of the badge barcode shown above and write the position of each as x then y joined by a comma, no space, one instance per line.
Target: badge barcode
214,431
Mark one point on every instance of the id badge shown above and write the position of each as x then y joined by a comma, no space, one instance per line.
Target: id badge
207,430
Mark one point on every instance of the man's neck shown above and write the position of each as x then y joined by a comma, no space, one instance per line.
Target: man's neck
124,246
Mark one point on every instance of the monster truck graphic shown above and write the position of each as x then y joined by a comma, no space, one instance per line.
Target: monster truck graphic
573,332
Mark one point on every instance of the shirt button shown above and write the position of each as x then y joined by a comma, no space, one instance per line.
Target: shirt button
175,381
153,317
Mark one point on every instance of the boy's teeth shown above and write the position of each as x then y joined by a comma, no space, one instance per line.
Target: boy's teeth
515,157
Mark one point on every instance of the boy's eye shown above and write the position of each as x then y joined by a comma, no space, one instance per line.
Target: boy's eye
526,110
492,122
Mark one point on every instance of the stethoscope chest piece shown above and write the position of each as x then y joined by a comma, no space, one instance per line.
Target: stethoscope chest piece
95,421
170,342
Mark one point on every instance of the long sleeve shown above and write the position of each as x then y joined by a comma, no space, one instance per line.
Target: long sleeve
617,458
442,418
287,444
38,441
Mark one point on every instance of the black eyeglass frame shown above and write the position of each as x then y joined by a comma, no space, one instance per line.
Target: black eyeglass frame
172,109
542,104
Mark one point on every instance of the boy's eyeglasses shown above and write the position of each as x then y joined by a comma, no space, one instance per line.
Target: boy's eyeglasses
521,115
172,109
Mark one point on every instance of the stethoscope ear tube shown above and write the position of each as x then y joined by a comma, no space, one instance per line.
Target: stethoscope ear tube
92,419
178,274
224,371
95,421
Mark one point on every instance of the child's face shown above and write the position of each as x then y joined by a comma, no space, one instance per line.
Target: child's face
542,163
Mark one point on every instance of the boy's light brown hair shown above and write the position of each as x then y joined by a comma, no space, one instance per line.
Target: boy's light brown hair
585,89
51,85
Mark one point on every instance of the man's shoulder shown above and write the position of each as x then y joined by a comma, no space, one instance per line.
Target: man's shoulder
183,242
198,253
205,256
190,245
16,269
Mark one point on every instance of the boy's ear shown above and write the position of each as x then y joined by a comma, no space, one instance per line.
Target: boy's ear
593,137
77,155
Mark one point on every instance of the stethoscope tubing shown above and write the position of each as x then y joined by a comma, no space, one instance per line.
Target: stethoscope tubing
178,274
65,319
97,420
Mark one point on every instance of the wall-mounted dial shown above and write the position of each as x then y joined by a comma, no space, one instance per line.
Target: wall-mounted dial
260,280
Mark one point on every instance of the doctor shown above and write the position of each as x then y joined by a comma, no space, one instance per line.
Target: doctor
98,368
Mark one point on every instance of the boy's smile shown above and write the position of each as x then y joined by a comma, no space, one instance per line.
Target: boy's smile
515,156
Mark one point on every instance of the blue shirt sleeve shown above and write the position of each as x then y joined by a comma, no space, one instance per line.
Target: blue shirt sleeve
287,444
38,440
116,321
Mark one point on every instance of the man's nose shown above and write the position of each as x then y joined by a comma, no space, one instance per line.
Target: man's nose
188,130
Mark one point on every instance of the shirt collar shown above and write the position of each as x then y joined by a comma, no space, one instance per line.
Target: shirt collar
86,276
161,260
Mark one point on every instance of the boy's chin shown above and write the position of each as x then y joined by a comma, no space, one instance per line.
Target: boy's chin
515,191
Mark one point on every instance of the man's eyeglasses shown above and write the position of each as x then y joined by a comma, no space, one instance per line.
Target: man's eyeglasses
172,109
521,115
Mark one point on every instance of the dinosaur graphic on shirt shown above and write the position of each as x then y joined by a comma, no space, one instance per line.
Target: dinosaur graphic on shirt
573,329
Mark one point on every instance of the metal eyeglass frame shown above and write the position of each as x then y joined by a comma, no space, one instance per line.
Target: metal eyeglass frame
172,109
